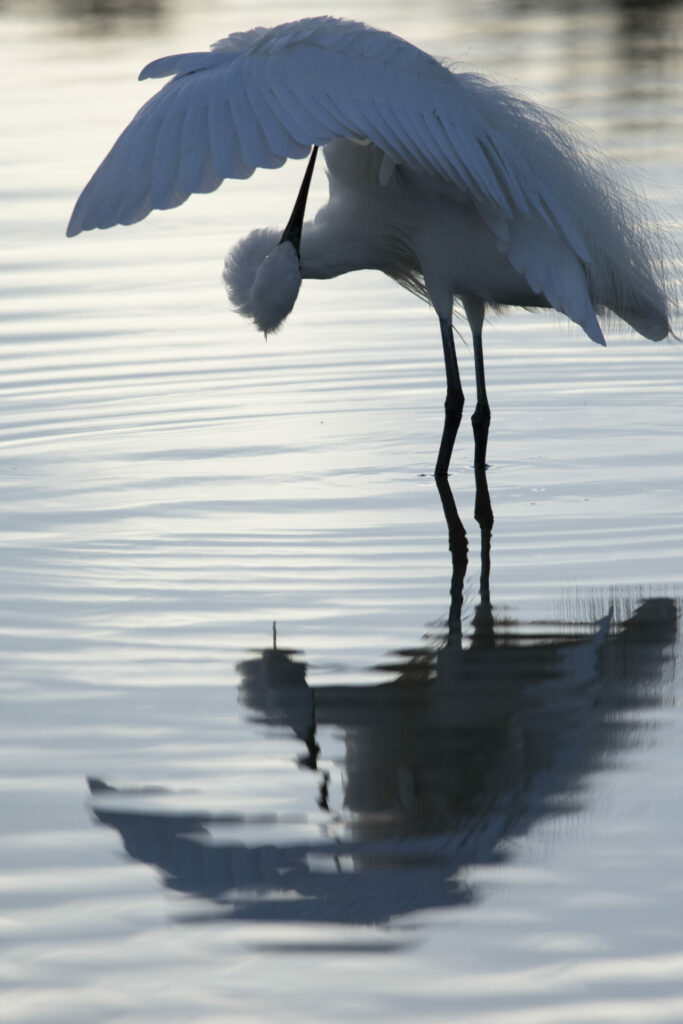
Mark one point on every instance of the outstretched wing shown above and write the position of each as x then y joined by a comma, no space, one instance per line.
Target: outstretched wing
260,97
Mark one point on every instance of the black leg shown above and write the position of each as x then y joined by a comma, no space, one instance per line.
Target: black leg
481,417
455,400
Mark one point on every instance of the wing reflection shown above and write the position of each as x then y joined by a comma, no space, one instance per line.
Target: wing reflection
473,738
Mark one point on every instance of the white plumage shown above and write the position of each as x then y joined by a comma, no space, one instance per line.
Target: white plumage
263,278
450,184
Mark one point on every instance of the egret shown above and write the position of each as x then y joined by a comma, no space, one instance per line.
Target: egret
455,187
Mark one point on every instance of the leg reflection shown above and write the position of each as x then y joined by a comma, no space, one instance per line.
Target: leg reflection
457,542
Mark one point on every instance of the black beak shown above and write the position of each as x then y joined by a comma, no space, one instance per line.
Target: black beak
292,232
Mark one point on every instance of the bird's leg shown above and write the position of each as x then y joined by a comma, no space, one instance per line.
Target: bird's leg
455,400
481,417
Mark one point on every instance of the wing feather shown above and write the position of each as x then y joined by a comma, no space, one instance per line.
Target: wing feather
562,279
392,129
296,119
254,145
226,156
137,174
194,143
322,108
164,191
337,118
278,139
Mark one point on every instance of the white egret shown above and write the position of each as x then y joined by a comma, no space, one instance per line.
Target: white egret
451,185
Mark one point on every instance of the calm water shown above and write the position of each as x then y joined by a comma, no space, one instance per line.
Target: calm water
447,783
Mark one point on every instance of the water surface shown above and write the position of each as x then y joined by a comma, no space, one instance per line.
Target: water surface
447,783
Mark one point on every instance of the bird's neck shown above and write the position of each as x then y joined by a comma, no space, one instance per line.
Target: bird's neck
330,248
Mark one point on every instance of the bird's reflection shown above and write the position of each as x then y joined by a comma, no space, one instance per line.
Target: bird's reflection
470,741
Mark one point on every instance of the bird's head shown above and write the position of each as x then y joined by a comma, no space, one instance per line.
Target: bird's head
263,271
263,276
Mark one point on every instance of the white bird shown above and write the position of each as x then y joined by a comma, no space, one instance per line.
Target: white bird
451,185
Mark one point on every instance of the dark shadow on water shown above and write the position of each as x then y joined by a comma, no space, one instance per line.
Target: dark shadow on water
474,736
